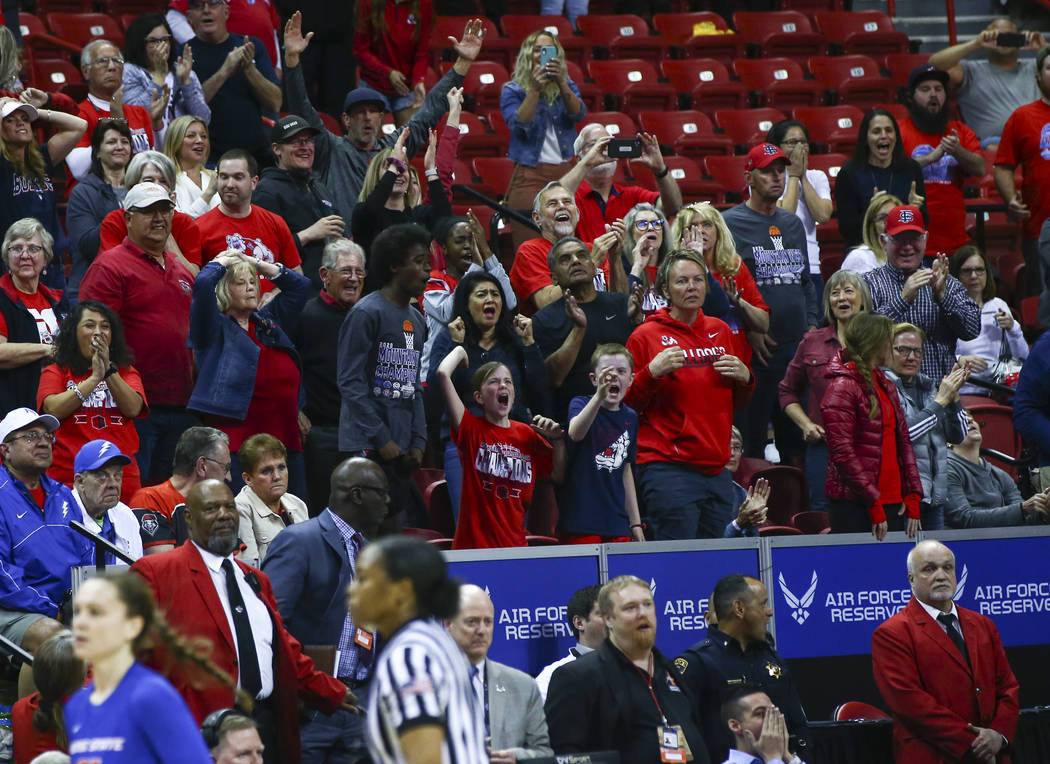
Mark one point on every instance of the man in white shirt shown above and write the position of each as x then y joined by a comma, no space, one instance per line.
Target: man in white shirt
758,726
587,624
97,472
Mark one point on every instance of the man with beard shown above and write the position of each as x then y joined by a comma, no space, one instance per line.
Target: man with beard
989,91
602,201
625,696
208,595
946,150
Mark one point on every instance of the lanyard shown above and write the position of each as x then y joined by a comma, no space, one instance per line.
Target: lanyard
649,683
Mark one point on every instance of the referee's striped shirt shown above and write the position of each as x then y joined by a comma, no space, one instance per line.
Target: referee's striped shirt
421,677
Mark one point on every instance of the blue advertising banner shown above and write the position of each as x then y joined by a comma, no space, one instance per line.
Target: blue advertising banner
530,596
829,600
681,583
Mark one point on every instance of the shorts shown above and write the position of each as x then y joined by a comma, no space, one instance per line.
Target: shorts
15,623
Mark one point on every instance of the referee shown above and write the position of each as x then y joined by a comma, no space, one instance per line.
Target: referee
421,699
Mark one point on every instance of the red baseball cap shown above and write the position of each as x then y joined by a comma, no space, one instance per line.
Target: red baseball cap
904,218
763,155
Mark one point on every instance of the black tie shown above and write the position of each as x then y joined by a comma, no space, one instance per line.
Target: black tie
249,659
953,634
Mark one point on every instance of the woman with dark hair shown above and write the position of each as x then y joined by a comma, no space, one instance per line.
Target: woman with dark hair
807,193
97,194
402,587
878,165
390,44
155,78
489,331
872,480
114,618
38,720
93,390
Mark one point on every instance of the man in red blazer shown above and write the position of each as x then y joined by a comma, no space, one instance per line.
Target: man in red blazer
953,698
189,584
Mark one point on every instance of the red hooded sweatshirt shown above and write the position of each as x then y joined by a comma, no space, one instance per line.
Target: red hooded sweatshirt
685,416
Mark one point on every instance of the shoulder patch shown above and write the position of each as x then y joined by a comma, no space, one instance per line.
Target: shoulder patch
681,664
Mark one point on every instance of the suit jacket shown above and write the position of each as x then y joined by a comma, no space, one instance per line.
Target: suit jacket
931,691
516,718
309,570
184,591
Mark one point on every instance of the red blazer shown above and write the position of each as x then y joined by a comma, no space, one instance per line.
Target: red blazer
931,691
184,591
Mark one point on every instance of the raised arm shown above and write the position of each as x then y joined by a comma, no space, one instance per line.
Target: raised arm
456,358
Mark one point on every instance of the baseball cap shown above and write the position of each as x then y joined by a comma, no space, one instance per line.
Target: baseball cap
904,218
146,195
364,95
926,72
20,418
95,454
763,155
288,127
11,107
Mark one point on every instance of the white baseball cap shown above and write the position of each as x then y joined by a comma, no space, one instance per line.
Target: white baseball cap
146,195
10,107
19,419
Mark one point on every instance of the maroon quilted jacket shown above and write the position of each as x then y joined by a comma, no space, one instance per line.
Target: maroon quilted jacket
855,441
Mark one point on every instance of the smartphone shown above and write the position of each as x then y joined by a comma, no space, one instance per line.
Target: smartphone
1010,40
548,52
624,148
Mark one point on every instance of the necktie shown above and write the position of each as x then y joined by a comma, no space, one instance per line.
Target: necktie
248,663
953,634
479,690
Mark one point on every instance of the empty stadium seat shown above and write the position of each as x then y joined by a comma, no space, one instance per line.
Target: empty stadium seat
778,82
687,133
633,85
788,494
496,47
82,28
519,26
829,164
495,174
997,430
746,127
624,36
475,139
483,84
900,65
811,521
59,74
832,247
689,176
728,172
705,84
779,33
855,80
618,125
870,33
835,127
855,709
40,43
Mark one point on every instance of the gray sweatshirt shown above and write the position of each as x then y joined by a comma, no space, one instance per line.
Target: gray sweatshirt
981,496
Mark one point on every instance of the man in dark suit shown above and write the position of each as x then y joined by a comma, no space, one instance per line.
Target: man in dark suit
943,672
311,565
206,594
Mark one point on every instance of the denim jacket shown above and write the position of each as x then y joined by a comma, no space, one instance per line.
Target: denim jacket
526,138
227,358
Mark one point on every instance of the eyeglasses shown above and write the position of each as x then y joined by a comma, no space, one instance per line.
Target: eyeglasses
32,437
158,40
33,249
202,3
795,142
979,271
225,465
377,489
307,140
735,449
358,272
906,352
105,61
648,225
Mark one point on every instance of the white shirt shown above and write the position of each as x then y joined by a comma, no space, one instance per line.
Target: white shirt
129,539
860,260
543,679
258,615
820,184
189,197
739,757
934,612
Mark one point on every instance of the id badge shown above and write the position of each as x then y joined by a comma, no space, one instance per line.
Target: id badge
673,747
363,639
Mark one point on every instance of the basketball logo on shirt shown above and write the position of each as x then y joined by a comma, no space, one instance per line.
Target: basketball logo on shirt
410,336
1044,141
777,237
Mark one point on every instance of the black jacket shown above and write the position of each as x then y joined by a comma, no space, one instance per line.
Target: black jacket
18,386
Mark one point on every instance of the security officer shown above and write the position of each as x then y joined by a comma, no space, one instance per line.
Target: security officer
736,652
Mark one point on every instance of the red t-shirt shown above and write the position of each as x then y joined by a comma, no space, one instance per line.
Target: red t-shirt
500,467
621,200
114,230
530,272
139,123
1026,142
944,184
161,498
274,407
100,417
253,17
40,309
262,234
28,742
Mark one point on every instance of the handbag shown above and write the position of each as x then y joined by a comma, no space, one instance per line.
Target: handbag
1008,368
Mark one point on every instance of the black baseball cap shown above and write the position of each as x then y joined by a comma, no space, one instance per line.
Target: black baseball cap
288,127
926,72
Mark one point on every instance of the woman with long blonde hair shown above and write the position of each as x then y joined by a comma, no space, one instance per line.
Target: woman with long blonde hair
186,144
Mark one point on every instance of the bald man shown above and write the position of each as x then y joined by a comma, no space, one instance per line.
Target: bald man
513,709
961,703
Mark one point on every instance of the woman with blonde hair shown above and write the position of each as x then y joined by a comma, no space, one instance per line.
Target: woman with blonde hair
872,481
701,228
542,108
186,145
870,255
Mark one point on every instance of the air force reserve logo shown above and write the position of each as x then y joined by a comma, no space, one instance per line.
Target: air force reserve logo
799,605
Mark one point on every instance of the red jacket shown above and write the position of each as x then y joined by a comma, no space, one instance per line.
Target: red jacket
685,416
184,591
931,691
404,46
855,441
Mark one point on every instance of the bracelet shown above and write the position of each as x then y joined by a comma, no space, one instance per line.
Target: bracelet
638,525
80,395
432,174
662,173
401,166
110,371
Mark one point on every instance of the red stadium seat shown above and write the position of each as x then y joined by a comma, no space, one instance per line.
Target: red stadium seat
778,82
869,33
779,33
495,174
475,139
44,7
1029,314
788,494
633,83
496,47
439,508
483,83
855,709
59,74
997,430
728,172
624,35
748,467
898,110
835,127
778,530
39,42
690,178
808,6
811,521
900,65
746,127
617,124
707,83
856,80
829,164
519,26
82,28
591,94
832,247
688,133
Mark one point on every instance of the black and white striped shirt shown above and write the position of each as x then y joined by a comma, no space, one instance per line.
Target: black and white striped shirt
422,677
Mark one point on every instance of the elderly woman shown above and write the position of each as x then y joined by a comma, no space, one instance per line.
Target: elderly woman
805,383
29,313
184,241
870,255
29,168
264,504
93,390
96,195
155,78
249,369
187,145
